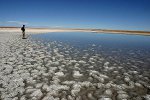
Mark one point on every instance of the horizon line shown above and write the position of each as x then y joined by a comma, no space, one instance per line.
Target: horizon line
103,29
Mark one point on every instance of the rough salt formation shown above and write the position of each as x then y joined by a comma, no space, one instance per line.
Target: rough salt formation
32,69
76,74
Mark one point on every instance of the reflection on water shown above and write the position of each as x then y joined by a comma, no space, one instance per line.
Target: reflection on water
106,40
109,62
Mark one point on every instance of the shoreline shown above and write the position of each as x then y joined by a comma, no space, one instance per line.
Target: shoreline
46,30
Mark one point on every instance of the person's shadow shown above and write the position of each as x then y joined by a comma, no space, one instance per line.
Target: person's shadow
24,38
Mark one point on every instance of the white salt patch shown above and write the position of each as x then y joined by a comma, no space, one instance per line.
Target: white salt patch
19,82
70,97
108,92
121,92
122,96
39,85
12,59
76,65
98,78
138,85
104,76
91,67
86,84
76,74
30,90
59,87
82,62
106,64
73,61
45,74
45,87
131,84
15,98
68,82
93,72
76,85
66,51
38,94
56,80
93,45
109,85
23,98
78,98
90,79
127,79
90,96
91,59
56,63
100,85
75,92
59,74
52,69
76,89
133,72
147,97
8,69
48,98
116,72
105,98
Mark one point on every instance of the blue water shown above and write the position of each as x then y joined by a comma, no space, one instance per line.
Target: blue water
119,48
126,56
106,40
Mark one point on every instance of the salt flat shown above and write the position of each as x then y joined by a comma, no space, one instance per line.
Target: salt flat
47,30
33,70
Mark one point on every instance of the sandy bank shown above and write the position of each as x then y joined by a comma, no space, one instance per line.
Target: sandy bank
45,30
33,30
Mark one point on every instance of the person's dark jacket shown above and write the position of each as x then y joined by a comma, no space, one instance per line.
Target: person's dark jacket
23,29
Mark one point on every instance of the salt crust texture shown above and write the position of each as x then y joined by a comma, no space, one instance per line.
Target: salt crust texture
31,70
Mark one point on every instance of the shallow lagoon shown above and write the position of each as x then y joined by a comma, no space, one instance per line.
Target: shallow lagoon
106,41
75,66
117,65
123,47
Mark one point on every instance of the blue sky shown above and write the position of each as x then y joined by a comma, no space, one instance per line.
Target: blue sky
103,14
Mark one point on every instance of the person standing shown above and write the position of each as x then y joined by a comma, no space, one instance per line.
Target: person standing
23,31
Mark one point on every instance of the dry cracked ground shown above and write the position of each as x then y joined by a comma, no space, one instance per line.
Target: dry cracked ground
33,70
